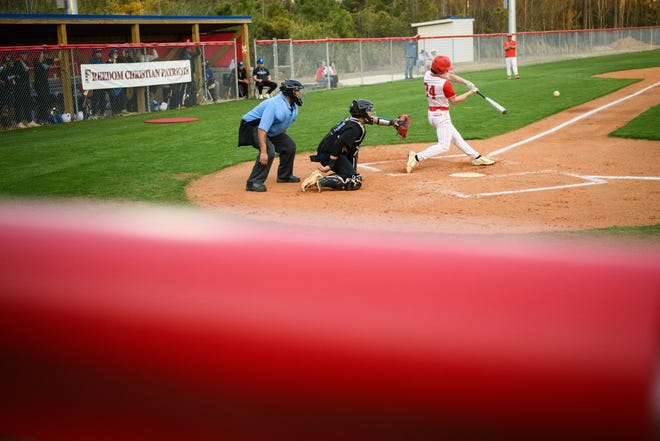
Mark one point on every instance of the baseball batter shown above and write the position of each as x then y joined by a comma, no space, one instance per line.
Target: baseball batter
338,150
439,93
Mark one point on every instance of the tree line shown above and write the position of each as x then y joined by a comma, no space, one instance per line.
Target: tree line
313,19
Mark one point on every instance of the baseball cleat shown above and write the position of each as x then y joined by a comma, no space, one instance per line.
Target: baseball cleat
256,186
482,160
412,161
311,180
292,178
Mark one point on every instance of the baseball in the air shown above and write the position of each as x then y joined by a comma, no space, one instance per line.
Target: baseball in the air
555,93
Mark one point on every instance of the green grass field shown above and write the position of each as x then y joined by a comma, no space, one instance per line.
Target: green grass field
123,158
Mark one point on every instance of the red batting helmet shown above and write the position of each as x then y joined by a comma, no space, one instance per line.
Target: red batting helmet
440,64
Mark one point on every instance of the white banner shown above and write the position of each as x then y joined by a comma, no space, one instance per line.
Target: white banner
111,75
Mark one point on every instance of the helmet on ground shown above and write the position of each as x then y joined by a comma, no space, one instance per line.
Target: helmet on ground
260,61
362,108
241,64
440,64
288,88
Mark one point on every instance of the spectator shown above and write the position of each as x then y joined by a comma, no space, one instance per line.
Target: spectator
261,77
332,73
188,91
7,95
411,58
24,103
130,97
510,58
429,60
322,74
127,56
98,95
211,86
421,62
116,94
41,72
243,80
264,128
147,55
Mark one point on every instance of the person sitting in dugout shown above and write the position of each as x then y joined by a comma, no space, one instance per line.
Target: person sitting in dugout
338,151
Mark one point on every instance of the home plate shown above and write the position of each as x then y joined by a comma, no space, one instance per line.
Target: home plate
467,175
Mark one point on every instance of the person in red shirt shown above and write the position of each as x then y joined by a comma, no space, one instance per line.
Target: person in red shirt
322,74
510,57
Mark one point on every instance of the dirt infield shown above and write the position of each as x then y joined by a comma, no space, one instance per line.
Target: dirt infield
573,177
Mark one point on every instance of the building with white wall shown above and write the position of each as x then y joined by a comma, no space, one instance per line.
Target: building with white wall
449,36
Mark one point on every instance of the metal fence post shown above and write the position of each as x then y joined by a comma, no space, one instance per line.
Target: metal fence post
75,83
391,61
361,64
276,62
292,60
327,62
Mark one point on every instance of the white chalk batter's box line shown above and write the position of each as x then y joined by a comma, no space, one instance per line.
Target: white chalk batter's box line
370,165
587,180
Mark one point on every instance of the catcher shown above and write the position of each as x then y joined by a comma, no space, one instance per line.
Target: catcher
338,151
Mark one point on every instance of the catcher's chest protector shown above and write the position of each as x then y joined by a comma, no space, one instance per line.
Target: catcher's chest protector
340,128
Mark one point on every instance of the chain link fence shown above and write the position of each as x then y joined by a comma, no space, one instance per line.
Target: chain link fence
44,85
368,61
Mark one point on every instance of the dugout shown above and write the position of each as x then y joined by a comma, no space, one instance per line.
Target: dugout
32,30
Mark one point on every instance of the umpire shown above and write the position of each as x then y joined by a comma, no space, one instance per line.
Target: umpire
264,128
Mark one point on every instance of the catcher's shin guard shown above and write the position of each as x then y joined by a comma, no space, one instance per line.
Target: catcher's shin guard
335,182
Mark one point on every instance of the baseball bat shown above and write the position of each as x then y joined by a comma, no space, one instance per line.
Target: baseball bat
493,103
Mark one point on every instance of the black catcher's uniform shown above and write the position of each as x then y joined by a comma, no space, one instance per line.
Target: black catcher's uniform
343,141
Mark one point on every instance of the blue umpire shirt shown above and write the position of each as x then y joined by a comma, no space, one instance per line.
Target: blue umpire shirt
276,115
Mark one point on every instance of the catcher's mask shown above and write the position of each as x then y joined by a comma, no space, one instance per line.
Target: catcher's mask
289,87
440,64
362,108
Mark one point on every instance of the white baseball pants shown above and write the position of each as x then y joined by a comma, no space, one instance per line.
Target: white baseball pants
447,134
511,64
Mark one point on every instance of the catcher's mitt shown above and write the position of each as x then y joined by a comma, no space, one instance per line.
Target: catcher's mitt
402,123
